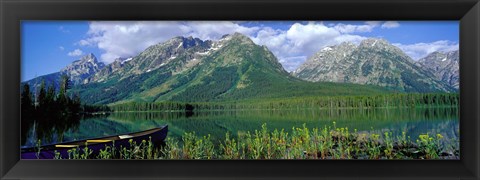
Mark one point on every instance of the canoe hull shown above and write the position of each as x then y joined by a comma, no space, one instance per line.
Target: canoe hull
157,138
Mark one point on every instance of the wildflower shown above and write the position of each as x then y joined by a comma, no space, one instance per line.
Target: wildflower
423,137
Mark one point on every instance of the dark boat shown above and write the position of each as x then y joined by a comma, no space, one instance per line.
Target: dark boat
157,136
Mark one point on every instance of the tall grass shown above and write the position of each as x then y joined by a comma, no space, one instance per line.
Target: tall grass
329,142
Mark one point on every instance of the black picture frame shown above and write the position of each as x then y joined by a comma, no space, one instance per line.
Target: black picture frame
12,12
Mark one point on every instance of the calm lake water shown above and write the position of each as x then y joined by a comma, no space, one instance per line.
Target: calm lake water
412,121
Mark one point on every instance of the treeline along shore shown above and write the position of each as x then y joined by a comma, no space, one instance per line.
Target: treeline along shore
397,100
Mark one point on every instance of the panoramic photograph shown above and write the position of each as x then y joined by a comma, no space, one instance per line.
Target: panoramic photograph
240,90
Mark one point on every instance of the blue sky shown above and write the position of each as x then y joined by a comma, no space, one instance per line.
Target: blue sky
48,46
408,33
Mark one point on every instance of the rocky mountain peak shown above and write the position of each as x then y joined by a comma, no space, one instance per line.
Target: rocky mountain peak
172,54
454,54
177,43
374,42
84,67
122,60
236,37
346,44
119,62
436,53
440,57
444,65
90,57
187,42
87,61
378,46
325,61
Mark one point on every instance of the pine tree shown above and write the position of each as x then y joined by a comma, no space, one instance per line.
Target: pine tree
62,99
26,102
41,103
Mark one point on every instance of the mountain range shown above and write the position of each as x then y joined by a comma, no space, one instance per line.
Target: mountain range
377,62
189,69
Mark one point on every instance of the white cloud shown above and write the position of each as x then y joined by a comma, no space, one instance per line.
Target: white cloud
128,38
373,23
291,63
125,39
420,50
349,28
84,42
61,48
291,46
390,25
76,52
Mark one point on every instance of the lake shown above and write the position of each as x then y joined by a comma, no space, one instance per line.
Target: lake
413,121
